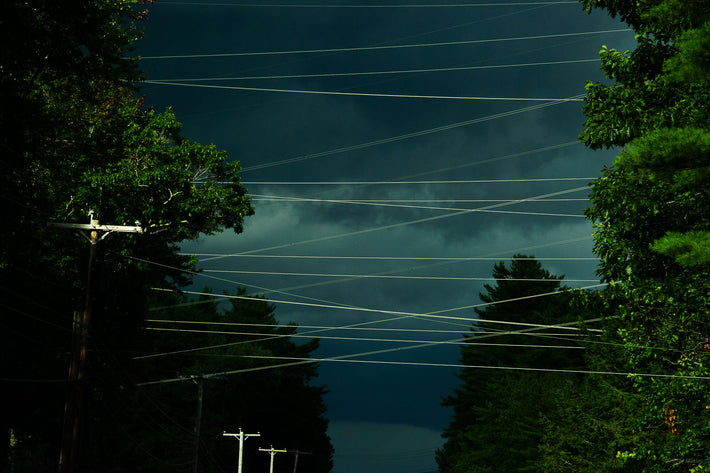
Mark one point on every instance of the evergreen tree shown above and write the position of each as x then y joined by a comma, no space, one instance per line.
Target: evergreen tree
496,423
240,388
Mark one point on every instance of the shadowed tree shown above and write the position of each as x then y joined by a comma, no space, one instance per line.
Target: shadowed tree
651,212
74,138
497,409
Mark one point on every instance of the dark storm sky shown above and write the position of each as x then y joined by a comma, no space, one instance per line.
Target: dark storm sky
386,417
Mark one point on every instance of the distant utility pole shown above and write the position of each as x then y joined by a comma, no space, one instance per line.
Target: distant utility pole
295,460
241,436
69,454
198,421
272,451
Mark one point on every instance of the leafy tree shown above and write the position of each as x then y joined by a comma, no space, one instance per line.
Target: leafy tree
651,213
498,410
74,138
658,104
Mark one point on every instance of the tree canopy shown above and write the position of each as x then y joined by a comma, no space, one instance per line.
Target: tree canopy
77,139
643,404
496,409
651,216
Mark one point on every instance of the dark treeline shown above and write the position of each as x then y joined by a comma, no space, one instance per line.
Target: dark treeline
647,408
77,141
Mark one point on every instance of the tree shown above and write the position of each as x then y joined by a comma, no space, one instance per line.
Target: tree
651,213
498,410
75,138
282,404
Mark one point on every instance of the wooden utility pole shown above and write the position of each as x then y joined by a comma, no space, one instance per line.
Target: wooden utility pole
69,454
198,421
272,451
295,460
241,436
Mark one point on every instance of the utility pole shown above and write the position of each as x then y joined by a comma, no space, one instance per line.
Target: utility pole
272,451
198,420
241,436
295,460
69,454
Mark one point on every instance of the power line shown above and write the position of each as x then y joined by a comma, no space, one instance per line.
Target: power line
421,207
346,327
400,224
282,291
332,6
362,339
505,368
451,181
277,198
440,261
230,281
466,341
435,314
430,265
378,48
371,73
416,134
426,207
398,316
391,258
352,355
360,94
377,276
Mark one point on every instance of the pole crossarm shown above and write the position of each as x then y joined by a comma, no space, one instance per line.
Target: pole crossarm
272,451
76,396
241,437
105,228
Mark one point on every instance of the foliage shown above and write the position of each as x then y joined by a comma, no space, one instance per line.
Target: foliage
497,410
651,212
251,396
648,90
75,138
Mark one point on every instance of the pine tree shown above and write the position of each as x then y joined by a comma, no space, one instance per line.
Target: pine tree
229,348
497,410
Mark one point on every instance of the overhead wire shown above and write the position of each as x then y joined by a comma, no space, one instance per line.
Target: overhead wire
400,224
419,133
347,356
385,72
397,317
287,198
360,94
329,327
366,6
396,258
380,48
439,262
354,355
431,182
426,207
468,366
378,276
360,339
434,314
469,341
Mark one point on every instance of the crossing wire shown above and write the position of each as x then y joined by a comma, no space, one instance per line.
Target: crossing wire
379,48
